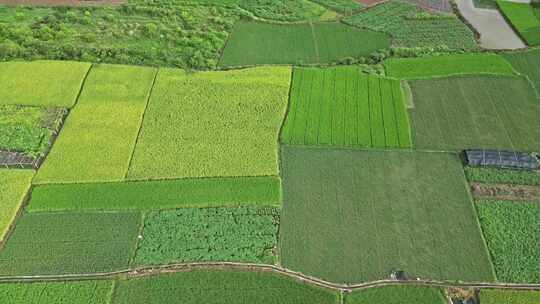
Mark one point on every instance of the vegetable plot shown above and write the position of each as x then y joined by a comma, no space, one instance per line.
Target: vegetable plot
343,107
243,234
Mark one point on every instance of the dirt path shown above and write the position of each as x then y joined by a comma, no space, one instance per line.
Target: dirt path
506,192
495,33
183,267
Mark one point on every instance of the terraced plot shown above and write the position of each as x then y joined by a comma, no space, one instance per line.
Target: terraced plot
75,292
199,192
492,112
512,232
225,124
411,26
254,43
447,65
70,243
98,137
242,234
354,216
524,18
219,286
343,107
13,187
41,83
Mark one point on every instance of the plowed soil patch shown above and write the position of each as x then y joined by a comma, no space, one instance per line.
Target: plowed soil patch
506,192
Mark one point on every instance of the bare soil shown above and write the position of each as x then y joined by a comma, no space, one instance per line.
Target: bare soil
62,2
506,192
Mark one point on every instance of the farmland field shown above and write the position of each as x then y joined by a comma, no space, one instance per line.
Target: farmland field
226,124
52,83
494,296
528,64
524,18
13,187
243,234
254,43
354,216
494,112
343,107
342,6
70,243
411,26
213,287
512,231
396,295
447,65
28,129
211,192
99,135
78,292
502,176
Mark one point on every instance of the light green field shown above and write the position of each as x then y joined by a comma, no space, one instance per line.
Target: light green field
181,193
491,112
99,135
13,187
219,286
254,43
343,107
524,18
41,83
225,124
77,292
397,295
447,65
356,216
494,296
70,243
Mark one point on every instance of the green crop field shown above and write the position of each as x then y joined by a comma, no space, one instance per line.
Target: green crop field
354,216
494,296
528,64
226,124
496,112
77,292
13,187
411,26
219,286
447,65
524,18
243,234
254,43
28,129
99,135
502,176
52,83
512,231
70,243
343,107
397,295
210,192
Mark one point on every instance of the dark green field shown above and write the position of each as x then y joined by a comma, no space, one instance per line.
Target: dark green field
353,216
528,64
217,287
344,107
491,112
254,43
70,243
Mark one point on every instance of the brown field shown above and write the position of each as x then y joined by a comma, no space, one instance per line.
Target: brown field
61,2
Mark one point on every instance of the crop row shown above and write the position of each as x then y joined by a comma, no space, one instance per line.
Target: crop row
502,176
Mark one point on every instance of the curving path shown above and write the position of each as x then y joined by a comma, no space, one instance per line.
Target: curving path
137,272
495,32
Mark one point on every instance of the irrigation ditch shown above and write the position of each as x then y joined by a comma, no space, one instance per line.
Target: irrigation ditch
302,278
